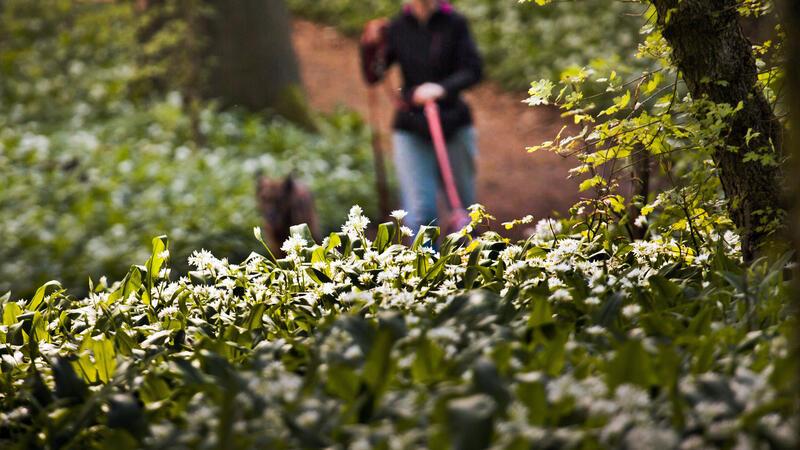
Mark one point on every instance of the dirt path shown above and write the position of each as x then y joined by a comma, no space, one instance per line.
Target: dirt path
511,182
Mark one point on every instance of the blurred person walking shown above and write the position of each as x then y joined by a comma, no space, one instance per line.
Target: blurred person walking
438,59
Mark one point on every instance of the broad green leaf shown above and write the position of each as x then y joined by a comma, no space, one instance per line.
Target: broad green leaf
591,182
435,270
704,354
616,202
302,231
254,319
531,392
428,364
555,354
11,311
40,293
425,235
541,313
385,235
334,240
539,92
379,363
472,266
153,265
104,357
39,328
631,364
620,103
342,381
84,365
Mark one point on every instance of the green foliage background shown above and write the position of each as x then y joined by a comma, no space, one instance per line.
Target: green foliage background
520,43
579,337
90,172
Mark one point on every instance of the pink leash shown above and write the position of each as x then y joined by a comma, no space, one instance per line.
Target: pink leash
459,214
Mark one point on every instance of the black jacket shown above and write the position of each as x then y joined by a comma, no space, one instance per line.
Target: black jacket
441,51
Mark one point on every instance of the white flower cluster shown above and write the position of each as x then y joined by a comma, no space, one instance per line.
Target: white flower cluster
401,316
356,223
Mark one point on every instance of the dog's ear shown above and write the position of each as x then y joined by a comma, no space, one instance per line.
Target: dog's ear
288,184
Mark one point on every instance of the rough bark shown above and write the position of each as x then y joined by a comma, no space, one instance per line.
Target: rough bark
254,64
791,13
716,62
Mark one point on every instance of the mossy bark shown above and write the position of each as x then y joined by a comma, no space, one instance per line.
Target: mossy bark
716,62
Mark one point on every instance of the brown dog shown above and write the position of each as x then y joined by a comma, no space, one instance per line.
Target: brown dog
284,203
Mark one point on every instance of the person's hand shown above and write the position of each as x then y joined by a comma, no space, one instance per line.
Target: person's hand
374,31
427,92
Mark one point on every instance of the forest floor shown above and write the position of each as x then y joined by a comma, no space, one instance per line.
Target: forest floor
511,181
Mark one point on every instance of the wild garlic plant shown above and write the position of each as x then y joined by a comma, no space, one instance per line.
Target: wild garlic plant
555,341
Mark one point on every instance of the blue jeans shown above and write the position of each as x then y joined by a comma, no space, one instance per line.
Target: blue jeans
419,176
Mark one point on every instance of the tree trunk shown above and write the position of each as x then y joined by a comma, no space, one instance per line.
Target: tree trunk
254,64
791,14
716,61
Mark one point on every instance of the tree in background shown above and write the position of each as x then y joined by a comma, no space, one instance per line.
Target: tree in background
706,110
254,63
238,52
716,62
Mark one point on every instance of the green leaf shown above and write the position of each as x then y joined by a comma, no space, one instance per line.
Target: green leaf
130,284
616,202
425,235
40,293
631,364
434,271
386,232
427,365
334,240
160,245
379,363
317,275
154,389
104,358
541,314
555,354
10,312
701,322
302,231
39,328
255,316
665,291
591,182
342,381
472,267
84,365
531,392
704,355
619,103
